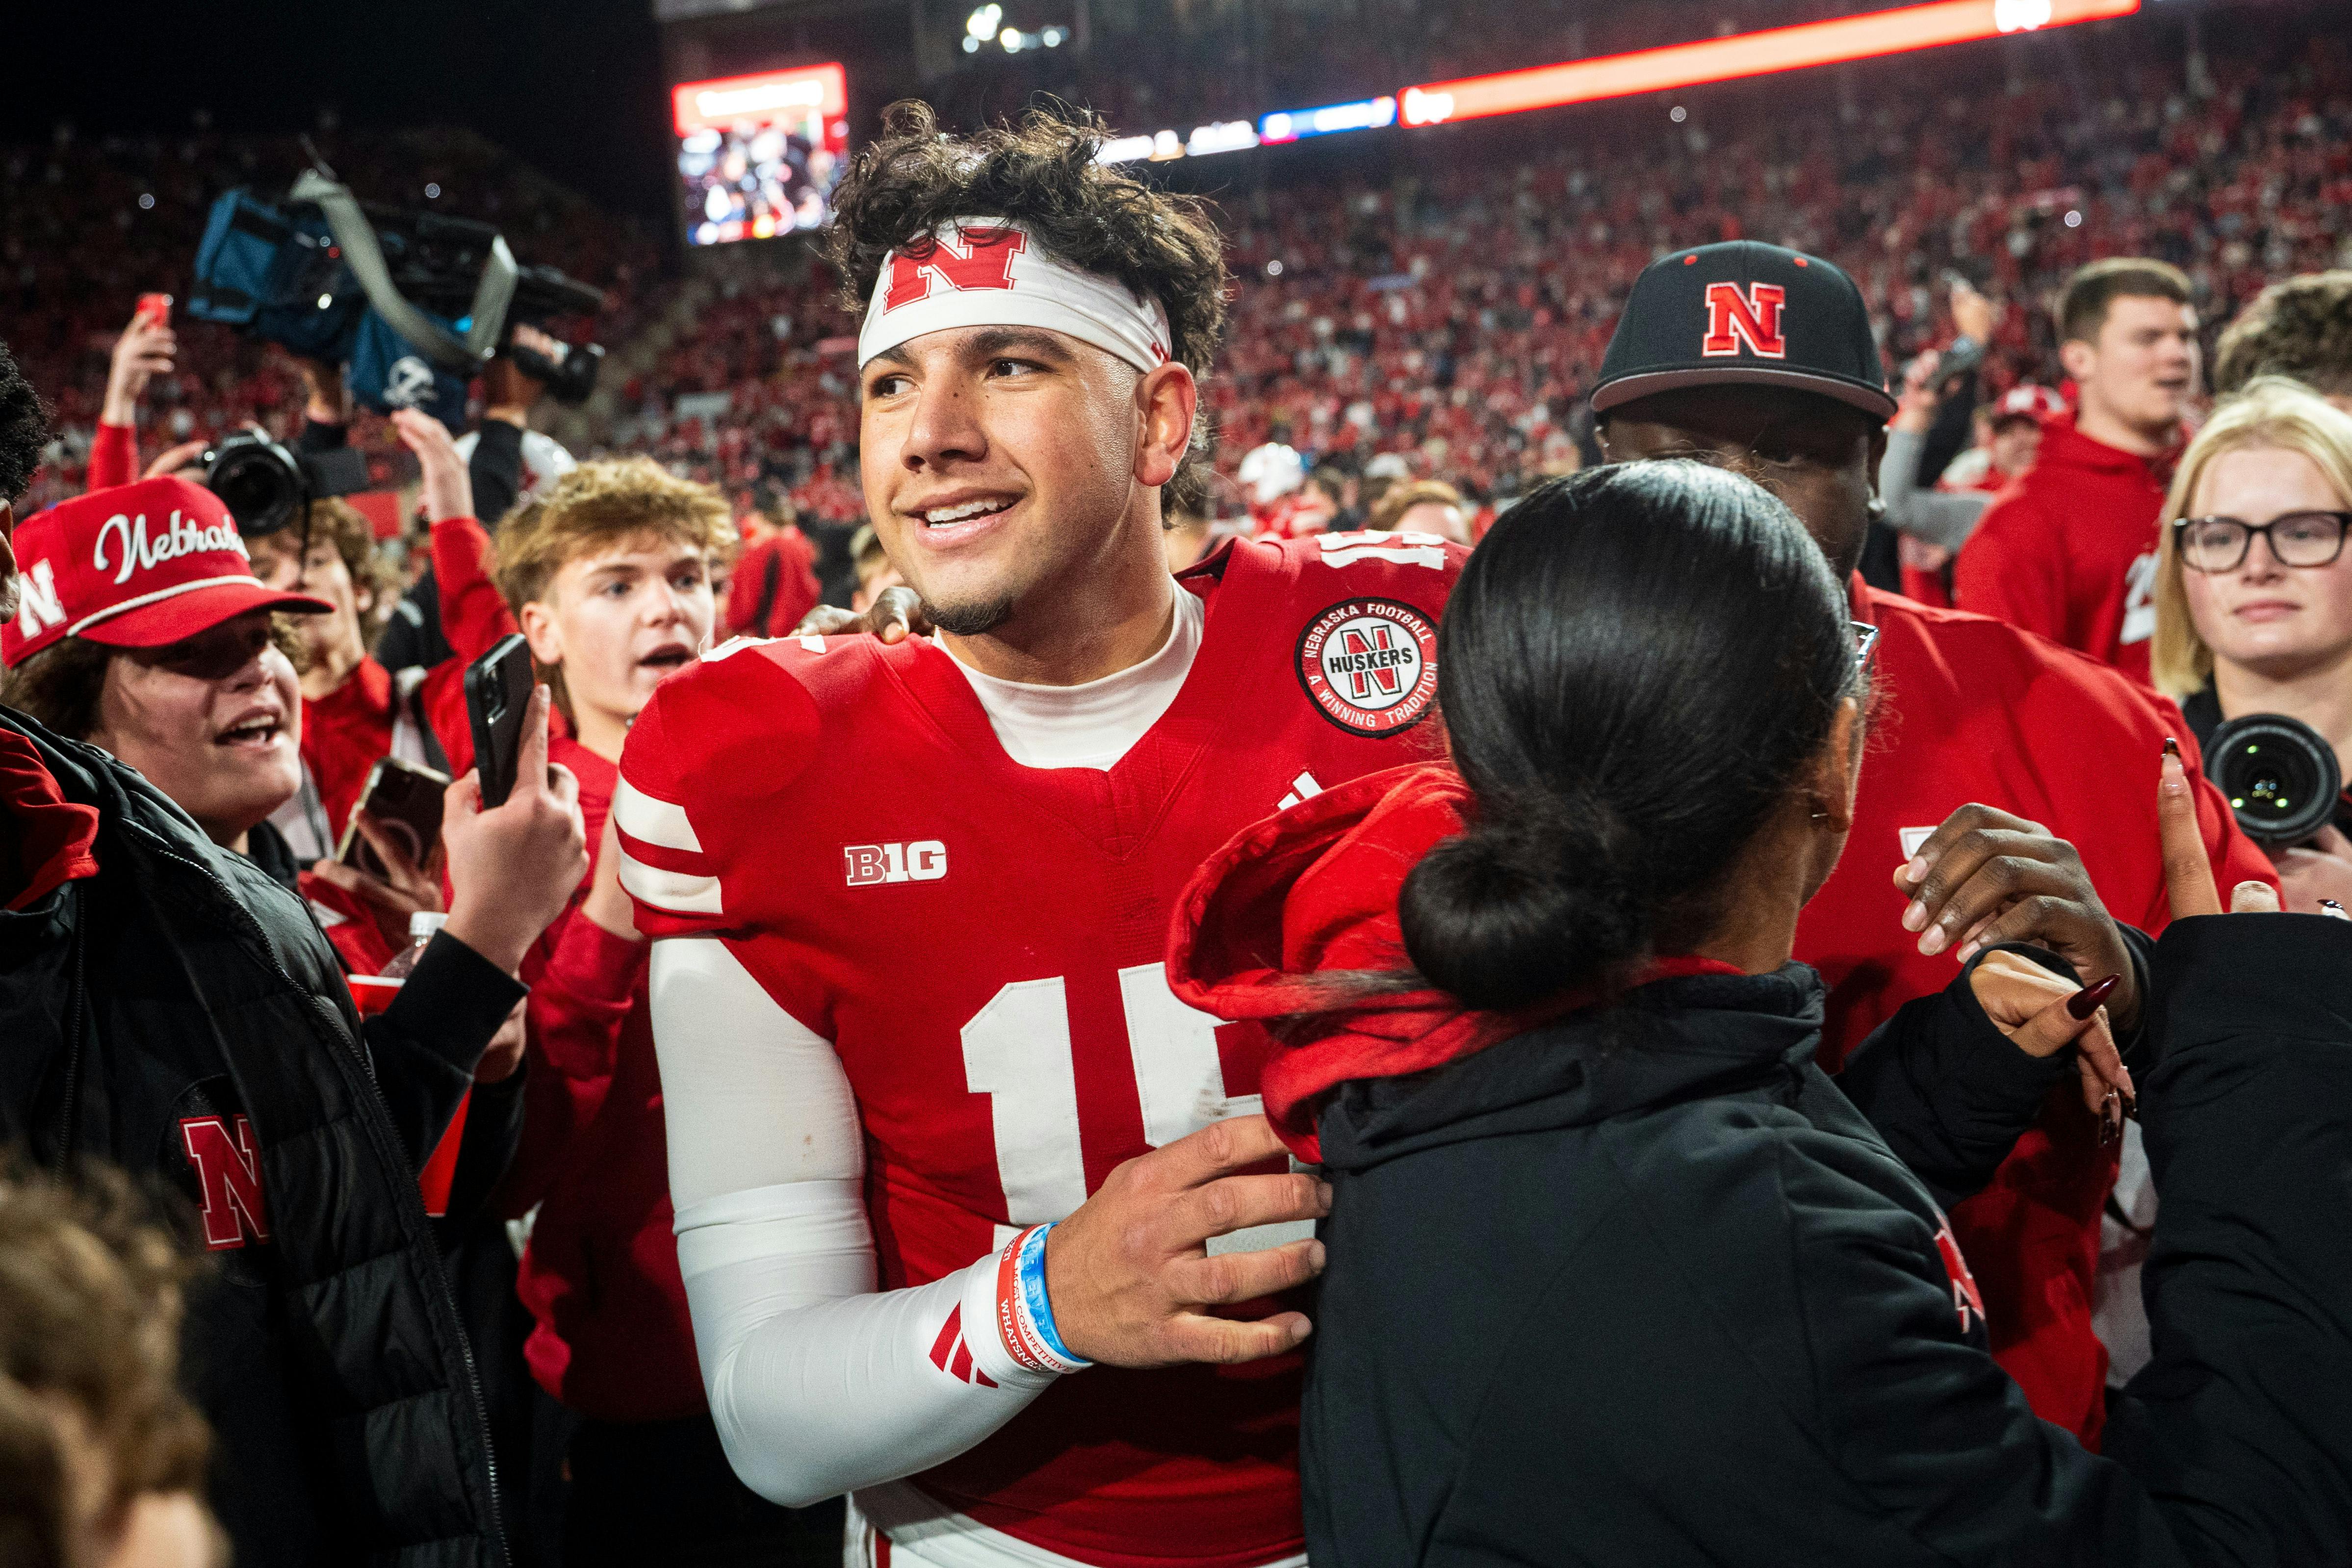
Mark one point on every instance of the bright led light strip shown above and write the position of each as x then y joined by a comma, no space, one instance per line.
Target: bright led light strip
1747,55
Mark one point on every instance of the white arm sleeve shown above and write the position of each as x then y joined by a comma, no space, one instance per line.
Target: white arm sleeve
819,1384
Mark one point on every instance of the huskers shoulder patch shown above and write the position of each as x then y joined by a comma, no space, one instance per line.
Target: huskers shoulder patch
1371,666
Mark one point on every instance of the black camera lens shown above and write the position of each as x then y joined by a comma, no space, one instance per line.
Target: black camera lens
2278,774
259,481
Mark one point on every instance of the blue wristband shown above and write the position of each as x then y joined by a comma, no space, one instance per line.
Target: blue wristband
1031,1273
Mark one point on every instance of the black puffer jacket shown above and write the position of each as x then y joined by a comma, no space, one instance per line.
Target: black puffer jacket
1645,1287
180,1014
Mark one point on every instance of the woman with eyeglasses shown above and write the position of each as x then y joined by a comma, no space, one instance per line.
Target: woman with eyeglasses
1616,1274
2253,591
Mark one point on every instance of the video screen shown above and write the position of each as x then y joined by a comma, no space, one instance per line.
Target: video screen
759,155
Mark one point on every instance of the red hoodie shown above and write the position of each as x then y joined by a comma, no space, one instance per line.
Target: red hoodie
1313,892
2069,549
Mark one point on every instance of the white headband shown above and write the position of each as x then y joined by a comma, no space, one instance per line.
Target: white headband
989,272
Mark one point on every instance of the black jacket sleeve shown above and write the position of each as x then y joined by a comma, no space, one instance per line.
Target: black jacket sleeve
495,470
2242,1421
425,1045
1947,1090
1949,436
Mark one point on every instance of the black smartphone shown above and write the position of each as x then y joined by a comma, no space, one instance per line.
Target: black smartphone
498,698
404,799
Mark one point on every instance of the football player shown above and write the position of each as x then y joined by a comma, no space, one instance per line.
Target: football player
958,1180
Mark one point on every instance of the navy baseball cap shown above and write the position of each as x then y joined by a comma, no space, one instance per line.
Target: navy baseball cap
1743,312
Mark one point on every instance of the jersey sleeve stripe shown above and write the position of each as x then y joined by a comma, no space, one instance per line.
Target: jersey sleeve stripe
655,821
677,892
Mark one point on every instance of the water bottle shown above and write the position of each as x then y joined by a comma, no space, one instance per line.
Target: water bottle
420,927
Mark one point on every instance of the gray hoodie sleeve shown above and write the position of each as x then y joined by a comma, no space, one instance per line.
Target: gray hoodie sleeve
1930,514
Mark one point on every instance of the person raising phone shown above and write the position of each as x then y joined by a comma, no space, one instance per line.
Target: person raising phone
174,1009
608,574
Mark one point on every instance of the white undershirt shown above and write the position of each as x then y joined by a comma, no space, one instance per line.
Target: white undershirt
1095,724
819,1383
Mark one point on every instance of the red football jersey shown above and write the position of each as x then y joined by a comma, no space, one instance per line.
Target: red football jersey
984,944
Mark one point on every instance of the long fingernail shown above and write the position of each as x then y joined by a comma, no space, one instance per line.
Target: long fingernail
2328,907
1914,916
2172,748
2085,1002
2111,1120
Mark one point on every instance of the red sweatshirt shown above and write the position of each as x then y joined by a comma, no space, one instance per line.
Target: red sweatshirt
2069,549
1969,709
113,456
773,586
613,1340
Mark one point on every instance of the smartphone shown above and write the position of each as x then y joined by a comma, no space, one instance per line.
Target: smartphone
155,309
498,698
405,801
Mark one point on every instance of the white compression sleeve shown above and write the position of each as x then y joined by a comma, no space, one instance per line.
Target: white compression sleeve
819,1384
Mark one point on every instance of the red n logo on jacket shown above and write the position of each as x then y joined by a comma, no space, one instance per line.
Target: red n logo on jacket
1752,316
228,1174
986,262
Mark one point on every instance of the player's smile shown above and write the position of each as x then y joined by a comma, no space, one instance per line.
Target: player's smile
959,517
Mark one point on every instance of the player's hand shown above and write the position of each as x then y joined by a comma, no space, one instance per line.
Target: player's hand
896,615
448,489
1128,1272
1987,877
2031,1007
2188,873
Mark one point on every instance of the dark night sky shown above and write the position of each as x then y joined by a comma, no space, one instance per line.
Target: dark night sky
573,86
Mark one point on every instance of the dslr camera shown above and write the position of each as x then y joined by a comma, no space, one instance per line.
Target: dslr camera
2279,776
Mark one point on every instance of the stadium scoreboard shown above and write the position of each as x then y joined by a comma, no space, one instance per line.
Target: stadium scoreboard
759,155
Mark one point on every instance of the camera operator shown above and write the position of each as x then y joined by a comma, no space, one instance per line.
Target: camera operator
2253,593
171,1005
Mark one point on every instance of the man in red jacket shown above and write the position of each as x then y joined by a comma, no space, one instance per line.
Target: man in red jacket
2069,551
2002,769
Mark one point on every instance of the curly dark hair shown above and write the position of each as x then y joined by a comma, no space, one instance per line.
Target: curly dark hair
23,428
2300,328
1040,172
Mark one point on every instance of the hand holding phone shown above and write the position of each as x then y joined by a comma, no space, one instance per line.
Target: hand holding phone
404,800
498,698
514,867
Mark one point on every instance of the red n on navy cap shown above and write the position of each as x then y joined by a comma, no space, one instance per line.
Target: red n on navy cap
1744,313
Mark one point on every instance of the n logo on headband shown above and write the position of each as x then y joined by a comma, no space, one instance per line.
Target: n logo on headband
1752,316
975,258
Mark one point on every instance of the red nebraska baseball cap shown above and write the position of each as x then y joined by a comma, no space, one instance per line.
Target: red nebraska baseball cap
135,566
2026,400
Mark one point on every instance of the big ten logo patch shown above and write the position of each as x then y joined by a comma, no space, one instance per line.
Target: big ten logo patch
228,1164
873,865
1370,664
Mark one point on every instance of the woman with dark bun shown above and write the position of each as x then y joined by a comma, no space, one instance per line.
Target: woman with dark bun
1616,1274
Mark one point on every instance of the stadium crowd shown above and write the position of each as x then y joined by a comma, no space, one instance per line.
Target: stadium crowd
574,1112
